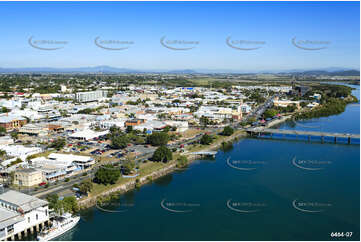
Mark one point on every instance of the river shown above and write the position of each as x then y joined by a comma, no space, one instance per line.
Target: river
267,190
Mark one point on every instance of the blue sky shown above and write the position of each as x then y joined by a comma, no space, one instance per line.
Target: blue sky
209,23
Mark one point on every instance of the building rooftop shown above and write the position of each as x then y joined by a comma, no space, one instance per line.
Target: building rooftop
27,170
24,201
8,217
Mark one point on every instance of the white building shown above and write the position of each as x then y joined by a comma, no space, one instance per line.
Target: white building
88,134
90,96
21,213
80,160
6,140
54,169
63,88
20,151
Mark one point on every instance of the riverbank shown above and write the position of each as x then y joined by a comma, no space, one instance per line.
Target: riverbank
278,121
133,183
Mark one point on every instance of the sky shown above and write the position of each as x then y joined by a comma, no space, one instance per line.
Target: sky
276,35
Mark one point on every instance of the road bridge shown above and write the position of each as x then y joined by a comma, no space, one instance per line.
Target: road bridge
259,131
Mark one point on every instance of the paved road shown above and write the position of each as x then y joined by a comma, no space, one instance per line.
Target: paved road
257,113
61,185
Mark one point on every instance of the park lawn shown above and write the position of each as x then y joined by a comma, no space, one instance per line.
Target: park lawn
99,188
190,133
218,139
145,169
149,167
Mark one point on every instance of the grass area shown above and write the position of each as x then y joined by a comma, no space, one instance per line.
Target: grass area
190,133
145,169
218,139
150,167
202,81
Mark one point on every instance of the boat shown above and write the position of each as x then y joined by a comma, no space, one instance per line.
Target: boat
59,226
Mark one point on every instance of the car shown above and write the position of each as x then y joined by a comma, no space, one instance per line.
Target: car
42,184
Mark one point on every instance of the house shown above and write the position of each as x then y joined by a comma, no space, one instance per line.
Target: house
21,213
28,177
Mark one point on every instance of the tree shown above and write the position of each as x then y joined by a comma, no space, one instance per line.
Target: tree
57,144
228,131
303,104
119,141
129,129
182,161
204,121
158,139
2,130
107,174
69,204
14,135
4,110
52,199
206,139
166,129
114,129
17,161
162,154
128,167
269,113
86,186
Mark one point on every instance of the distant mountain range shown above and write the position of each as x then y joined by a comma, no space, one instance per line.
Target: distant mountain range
333,71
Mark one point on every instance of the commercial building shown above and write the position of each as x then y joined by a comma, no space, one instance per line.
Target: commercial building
134,122
28,177
90,96
10,122
285,103
88,134
81,161
19,151
21,214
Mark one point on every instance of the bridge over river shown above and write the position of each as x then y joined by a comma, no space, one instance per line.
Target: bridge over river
263,131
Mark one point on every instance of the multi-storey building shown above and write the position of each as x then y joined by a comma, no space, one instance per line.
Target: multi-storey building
20,214
90,96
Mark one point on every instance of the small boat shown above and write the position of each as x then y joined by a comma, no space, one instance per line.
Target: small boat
60,225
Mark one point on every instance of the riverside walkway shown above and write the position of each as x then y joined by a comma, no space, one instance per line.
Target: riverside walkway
261,131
